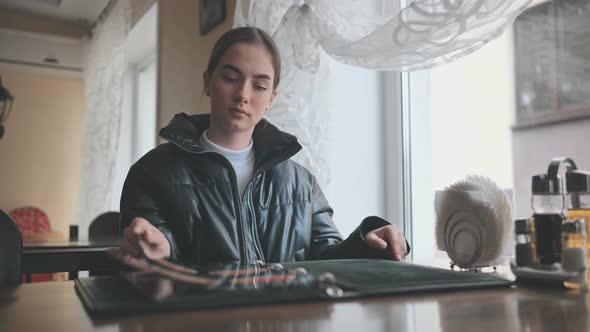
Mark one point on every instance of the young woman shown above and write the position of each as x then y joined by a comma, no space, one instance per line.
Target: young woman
224,189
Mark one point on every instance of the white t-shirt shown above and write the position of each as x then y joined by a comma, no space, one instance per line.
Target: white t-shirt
242,161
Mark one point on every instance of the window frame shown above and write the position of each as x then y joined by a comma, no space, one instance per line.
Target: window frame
397,151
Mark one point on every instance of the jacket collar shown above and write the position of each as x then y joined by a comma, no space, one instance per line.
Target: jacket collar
271,145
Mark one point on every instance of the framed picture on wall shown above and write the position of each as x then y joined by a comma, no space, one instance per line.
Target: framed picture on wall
211,14
552,63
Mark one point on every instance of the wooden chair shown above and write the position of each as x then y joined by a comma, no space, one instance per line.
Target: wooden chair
105,225
11,252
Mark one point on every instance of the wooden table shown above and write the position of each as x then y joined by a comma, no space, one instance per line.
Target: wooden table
54,306
58,255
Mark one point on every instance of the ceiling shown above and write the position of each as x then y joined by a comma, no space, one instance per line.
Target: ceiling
70,10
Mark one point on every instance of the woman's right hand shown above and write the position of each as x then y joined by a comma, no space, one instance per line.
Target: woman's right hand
143,237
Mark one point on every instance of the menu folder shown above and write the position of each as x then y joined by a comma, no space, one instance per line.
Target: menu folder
221,286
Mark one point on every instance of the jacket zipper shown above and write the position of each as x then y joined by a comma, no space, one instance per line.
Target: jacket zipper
240,214
241,221
248,206
236,194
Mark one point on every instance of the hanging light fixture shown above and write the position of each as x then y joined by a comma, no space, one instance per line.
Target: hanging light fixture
6,100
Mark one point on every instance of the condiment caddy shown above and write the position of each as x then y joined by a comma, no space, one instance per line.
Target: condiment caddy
552,245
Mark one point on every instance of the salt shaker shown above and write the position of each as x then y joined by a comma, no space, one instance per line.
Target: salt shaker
573,251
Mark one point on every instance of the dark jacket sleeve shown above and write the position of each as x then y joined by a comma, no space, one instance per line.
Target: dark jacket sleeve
140,198
326,241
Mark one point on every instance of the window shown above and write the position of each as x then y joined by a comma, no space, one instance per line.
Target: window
144,110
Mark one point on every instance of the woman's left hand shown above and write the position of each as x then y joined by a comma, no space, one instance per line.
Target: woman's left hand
390,234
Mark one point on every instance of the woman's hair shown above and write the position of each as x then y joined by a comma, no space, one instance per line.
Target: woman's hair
248,35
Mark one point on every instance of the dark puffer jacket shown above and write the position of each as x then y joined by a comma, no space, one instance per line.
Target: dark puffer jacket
191,195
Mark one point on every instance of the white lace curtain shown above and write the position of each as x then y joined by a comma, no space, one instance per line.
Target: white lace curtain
104,70
375,34
380,34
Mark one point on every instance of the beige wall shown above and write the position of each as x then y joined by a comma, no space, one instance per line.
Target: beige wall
182,56
40,151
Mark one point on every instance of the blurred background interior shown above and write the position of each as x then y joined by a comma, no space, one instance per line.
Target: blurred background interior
94,80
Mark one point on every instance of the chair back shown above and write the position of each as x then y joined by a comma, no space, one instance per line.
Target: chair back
11,252
31,220
105,225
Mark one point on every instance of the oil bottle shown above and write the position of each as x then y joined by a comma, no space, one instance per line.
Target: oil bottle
578,198
548,206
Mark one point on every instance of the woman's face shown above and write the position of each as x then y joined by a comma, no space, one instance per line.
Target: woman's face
241,88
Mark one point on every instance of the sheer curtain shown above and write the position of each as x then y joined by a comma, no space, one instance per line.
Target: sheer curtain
374,34
104,72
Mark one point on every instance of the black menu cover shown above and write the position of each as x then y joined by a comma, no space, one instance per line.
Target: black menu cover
192,288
